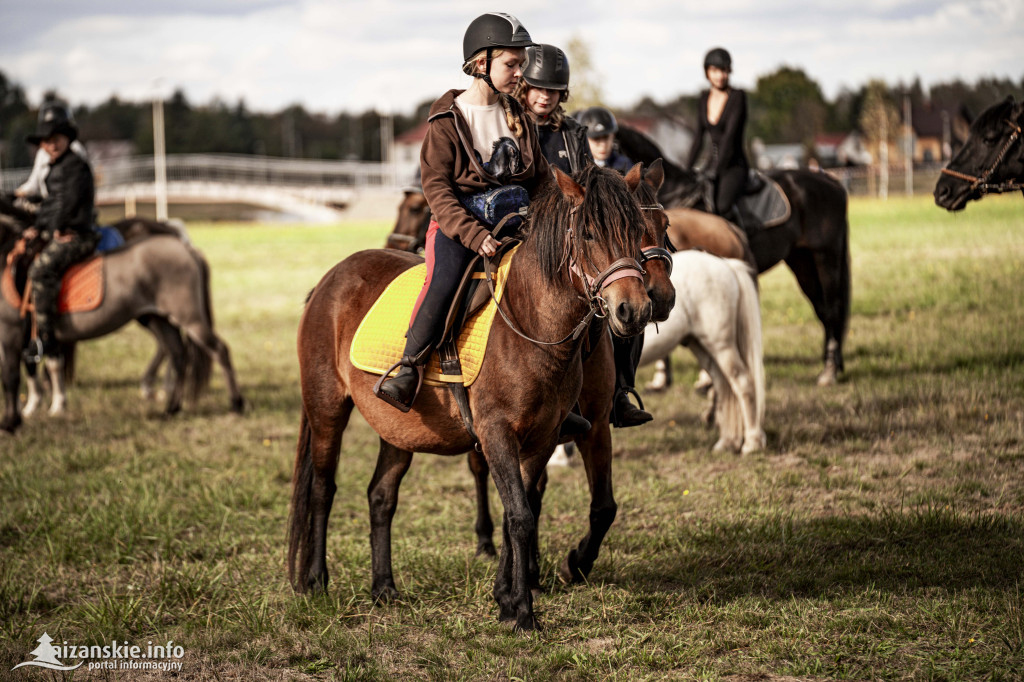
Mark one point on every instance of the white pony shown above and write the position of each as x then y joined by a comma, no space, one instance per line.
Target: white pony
717,315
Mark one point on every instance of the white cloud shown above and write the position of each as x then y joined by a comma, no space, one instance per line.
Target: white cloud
331,55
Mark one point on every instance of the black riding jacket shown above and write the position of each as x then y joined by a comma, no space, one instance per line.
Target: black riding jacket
69,206
567,148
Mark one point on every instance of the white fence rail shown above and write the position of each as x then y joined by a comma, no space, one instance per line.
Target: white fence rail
309,188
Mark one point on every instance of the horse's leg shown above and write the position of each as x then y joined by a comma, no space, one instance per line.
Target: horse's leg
34,382
204,335
662,378
392,463
730,435
595,449
59,396
484,525
313,487
170,344
153,369
743,395
821,277
10,374
536,479
511,589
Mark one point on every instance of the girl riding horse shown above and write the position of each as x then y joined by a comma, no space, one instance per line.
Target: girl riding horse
463,128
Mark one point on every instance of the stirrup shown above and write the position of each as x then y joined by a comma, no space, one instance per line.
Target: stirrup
618,419
393,400
33,353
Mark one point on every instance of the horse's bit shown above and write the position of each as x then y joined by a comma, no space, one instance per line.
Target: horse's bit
981,183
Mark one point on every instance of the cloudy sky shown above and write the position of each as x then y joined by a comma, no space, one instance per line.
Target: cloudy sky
334,55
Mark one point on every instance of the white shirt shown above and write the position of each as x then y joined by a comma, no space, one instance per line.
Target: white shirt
487,124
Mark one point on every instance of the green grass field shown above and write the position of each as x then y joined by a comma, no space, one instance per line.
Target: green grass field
880,536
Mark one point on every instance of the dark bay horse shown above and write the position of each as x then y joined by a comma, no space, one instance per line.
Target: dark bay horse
814,242
581,231
159,277
991,160
596,397
410,231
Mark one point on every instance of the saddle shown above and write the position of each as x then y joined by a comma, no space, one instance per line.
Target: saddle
82,287
380,338
763,203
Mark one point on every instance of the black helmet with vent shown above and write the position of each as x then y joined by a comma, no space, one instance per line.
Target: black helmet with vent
598,121
546,67
494,30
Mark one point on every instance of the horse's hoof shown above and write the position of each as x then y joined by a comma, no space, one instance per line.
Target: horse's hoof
726,445
570,572
238,405
527,623
754,444
486,550
828,376
385,595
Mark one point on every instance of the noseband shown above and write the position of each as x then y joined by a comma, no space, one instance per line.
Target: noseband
656,252
981,183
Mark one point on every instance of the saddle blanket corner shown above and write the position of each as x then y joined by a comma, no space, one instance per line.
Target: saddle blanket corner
380,338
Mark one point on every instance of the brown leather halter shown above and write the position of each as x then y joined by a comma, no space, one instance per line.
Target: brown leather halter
981,183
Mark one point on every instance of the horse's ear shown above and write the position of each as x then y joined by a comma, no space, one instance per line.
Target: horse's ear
655,175
569,187
634,176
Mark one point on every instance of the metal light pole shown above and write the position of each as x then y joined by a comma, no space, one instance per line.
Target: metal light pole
159,158
908,147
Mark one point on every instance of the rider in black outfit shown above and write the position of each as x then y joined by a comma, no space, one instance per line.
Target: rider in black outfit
728,166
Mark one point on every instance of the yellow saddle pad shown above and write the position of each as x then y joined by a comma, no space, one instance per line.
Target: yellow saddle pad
380,339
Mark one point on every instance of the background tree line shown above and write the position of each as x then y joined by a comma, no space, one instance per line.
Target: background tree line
786,106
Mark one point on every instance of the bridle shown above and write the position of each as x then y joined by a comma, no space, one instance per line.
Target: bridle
980,183
593,286
656,252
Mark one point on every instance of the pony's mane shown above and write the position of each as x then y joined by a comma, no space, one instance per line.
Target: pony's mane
609,212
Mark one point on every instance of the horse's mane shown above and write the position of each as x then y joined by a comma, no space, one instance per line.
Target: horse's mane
994,116
557,230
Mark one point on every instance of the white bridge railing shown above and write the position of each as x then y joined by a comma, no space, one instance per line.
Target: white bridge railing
313,189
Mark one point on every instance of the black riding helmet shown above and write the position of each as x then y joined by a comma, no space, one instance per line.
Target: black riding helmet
492,31
719,57
54,118
546,67
598,121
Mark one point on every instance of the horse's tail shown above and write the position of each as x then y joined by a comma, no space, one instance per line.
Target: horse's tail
199,365
748,329
67,350
300,525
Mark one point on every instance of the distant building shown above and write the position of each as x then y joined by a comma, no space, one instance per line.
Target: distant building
937,132
406,152
841,149
768,156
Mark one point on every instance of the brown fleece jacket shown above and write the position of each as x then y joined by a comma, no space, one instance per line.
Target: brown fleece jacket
449,167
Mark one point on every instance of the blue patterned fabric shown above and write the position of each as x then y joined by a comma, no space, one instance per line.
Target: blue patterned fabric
110,239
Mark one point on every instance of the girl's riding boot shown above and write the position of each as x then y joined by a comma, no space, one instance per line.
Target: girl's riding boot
575,424
627,357
401,390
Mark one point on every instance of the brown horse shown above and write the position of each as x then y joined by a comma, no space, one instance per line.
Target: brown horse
410,231
596,397
159,277
580,232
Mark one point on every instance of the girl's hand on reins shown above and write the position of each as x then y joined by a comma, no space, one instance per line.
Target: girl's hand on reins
489,246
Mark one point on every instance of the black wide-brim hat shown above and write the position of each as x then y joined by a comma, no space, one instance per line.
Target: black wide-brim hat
47,129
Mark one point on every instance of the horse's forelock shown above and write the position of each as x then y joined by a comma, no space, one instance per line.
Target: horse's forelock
607,207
